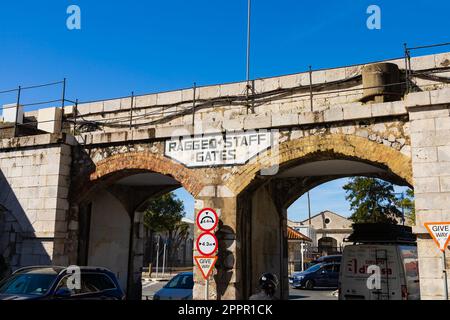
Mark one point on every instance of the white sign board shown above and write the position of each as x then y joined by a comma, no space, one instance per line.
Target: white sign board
207,244
215,150
207,219
206,265
440,232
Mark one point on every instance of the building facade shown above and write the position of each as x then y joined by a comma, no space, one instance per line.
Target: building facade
330,231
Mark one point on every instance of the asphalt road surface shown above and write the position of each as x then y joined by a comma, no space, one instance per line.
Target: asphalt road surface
314,294
150,287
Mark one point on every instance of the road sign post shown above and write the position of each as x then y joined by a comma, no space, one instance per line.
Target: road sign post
440,232
207,220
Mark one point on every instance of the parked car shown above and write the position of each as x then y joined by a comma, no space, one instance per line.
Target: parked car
399,272
50,283
178,288
319,275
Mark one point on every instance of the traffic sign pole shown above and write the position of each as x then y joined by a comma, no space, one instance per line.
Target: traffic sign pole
445,275
207,220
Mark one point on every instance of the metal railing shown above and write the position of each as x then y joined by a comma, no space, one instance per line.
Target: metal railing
134,117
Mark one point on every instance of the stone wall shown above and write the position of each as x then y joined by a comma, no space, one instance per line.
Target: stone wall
285,96
430,143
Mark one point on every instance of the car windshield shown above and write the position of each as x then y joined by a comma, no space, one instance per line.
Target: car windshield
182,281
32,284
314,268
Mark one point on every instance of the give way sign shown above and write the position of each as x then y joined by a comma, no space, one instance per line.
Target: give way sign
440,232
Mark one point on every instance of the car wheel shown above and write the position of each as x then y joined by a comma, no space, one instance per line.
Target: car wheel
309,284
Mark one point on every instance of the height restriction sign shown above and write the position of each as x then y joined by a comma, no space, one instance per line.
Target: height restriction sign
207,243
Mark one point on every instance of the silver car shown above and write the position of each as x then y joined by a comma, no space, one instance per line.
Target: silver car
178,288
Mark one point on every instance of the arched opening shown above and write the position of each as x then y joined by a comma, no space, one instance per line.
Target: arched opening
111,220
328,246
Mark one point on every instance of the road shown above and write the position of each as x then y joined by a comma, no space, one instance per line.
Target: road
150,287
315,294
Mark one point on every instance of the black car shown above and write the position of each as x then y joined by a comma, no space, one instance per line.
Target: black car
53,283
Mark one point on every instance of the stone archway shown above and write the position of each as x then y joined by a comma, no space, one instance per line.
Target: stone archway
103,177
263,199
118,166
312,148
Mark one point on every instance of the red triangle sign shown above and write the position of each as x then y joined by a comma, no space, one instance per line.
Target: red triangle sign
205,264
440,232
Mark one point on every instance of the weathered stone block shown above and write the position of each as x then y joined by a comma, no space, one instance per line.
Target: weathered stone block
424,154
233,89
111,105
441,96
279,120
256,121
443,122
422,125
418,99
356,111
233,124
209,92
333,114
145,101
444,153
426,184
445,183
170,97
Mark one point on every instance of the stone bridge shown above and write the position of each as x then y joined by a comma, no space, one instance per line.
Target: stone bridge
72,190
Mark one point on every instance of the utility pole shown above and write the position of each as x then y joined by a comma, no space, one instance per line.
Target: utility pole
309,209
157,257
164,257
249,7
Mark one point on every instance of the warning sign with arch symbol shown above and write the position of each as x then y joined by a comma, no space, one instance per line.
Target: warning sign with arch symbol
207,219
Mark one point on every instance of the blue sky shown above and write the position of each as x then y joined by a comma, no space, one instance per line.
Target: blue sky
328,196
149,46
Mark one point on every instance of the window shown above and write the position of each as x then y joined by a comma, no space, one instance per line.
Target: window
328,268
336,268
327,220
33,284
183,281
90,283
98,281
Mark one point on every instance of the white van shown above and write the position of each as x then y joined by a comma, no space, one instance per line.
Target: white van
398,270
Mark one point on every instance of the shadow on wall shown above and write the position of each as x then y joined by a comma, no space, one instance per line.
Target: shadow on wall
225,263
19,245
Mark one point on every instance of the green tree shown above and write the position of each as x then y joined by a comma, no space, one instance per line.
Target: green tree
407,203
163,215
372,200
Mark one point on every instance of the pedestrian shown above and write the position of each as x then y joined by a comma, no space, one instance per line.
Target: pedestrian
268,284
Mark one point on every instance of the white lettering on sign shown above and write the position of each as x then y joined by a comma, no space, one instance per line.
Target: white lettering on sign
216,150
440,232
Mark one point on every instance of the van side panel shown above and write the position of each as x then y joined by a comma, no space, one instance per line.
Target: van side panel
410,264
354,274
